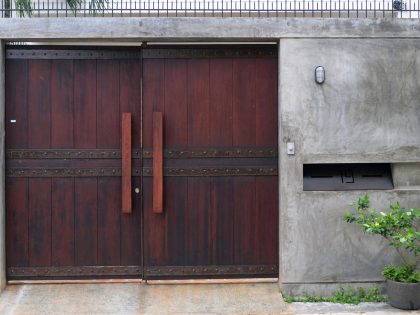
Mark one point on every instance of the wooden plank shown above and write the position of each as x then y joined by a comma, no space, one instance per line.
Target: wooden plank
39,222
176,107
245,243
157,162
16,120
221,102
86,224
62,190
176,134
155,226
267,219
109,221
85,189
85,104
108,137
107,105
126,163
131,232
16,125
62,104
153,96
244,133
197,221
17,221
244,102
130,101
62,249
130,91
176,209
198,100
266,102
198,212
39,136
222,221
39,109
266,195
221,134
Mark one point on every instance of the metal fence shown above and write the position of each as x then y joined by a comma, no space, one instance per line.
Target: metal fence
211,8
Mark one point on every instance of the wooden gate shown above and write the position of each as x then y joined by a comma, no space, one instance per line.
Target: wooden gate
155,162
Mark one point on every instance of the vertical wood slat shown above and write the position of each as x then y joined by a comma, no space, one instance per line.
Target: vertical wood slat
126,163
157,162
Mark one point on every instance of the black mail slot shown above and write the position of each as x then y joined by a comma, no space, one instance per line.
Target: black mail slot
347,176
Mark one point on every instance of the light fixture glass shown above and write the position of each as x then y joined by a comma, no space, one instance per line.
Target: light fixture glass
319,74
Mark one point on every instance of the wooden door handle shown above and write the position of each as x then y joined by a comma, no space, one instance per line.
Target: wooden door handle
126,162
157,162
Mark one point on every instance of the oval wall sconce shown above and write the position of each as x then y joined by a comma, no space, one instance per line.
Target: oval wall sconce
319,74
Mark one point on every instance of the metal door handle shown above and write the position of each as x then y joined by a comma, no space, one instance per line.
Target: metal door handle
157,162
126,162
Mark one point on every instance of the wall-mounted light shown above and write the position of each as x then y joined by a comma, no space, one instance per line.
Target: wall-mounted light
319,74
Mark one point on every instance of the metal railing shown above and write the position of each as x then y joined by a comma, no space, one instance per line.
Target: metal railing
211,8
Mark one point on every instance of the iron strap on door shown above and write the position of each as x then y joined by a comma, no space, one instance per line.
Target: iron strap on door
158,52
262,161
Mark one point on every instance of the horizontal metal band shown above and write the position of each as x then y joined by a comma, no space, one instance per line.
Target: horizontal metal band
71,54
235,152
221,270
181,153
73,271
215,171
243,52
216,52
150,271
146,171
66,154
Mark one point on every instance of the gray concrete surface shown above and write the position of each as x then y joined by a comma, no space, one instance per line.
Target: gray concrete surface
140,298
2,183
331,308
136,298
368,110
203,29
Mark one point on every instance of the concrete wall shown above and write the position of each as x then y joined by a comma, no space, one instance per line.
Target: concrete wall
368,110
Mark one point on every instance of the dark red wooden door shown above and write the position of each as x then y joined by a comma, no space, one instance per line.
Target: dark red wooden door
63,187
220,187
204,189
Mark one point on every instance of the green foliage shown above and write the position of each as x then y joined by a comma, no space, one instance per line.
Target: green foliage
398,226
74,5
24,7
406,274
342,296
97,5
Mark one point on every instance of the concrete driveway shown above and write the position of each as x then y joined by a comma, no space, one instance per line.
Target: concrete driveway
142,298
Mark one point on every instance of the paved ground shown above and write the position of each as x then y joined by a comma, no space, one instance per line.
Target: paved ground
141,298
339,309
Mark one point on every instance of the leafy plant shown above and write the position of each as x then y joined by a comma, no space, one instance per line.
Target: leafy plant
74,5
341,296
24,7
96,5
401,274
399,227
